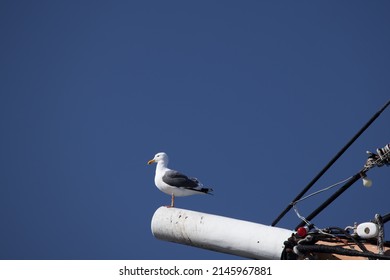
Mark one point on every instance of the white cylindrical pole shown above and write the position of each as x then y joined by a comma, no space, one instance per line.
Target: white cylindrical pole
217,233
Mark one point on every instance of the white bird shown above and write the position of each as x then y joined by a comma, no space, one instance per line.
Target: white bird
173,182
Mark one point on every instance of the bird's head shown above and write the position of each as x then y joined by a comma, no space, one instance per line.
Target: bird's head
163,157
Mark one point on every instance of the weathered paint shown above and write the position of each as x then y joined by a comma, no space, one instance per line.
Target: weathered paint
218,233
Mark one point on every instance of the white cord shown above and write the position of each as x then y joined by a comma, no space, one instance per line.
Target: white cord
322,190
300,216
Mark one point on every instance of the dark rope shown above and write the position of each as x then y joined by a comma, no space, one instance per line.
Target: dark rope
349,236
339,251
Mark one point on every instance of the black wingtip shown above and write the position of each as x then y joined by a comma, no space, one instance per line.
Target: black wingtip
207,190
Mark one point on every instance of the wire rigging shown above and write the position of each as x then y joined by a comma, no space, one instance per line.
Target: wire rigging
322,190
330,163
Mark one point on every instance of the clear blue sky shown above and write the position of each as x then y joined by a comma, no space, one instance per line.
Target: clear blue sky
251,97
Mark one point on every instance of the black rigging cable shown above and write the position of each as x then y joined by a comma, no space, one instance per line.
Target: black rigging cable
330,163
386,218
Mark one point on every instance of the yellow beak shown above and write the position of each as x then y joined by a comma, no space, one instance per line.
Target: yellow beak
151,161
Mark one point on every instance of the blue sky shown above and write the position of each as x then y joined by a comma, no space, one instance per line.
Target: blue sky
251,97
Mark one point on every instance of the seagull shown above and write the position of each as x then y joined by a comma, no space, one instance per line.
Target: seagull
173,182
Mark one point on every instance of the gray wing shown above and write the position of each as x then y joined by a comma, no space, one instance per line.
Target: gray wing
177,179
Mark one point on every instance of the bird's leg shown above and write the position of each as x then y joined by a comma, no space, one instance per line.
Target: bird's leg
173,201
